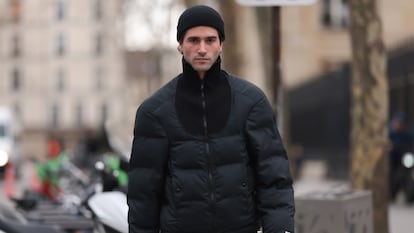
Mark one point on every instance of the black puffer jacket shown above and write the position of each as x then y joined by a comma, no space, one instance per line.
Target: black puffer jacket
207,158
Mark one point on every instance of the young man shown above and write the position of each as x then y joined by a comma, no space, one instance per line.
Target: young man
206,155
401,142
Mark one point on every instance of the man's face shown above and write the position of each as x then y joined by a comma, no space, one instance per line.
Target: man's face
398,125
201,47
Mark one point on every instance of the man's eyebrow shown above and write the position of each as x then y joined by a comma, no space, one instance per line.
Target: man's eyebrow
193,37
198,37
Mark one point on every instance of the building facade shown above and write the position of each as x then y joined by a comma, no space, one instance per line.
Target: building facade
61,68
317,69
315,38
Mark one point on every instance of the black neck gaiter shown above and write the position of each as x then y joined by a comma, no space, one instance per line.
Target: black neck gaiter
190,99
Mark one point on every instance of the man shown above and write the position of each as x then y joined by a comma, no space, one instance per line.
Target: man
402,141
206,155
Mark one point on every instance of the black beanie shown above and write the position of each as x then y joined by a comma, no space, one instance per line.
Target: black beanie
200,15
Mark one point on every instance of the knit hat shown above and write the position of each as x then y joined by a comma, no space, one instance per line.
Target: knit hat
200,15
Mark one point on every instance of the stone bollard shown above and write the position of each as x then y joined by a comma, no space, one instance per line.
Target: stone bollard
344,211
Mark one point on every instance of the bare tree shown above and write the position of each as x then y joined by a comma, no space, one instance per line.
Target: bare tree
232,51
369,169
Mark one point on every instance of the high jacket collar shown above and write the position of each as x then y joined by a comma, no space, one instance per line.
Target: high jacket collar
208,99
212,75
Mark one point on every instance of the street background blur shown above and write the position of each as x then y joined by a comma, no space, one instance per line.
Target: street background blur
75,72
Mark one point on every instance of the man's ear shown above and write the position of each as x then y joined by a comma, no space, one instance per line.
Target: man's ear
179,49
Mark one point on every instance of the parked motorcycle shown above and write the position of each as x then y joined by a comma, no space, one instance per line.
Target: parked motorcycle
12,221
107,201
110,211
65,215
105,196
112,170
98,212
92,202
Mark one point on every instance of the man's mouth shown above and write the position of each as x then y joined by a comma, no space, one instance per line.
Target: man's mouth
202,59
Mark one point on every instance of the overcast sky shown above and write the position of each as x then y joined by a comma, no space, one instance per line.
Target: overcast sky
151,23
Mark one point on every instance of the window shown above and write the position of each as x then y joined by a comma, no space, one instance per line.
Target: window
61,80
99,85
60,10
98,9
54,113
15,46
98,44
335,13
79,114
17,111
15,10
104,113
60,48
16,79
3,130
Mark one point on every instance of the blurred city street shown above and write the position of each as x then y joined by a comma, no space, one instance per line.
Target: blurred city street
400,214
73,74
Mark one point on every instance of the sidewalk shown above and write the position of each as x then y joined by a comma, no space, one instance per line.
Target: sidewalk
401,216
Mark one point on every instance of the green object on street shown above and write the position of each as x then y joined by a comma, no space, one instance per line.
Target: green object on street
49,170
113,163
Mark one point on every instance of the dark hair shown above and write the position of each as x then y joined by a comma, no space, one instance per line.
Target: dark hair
400,116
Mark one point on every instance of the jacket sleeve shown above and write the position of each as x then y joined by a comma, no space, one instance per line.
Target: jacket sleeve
275,199
146,173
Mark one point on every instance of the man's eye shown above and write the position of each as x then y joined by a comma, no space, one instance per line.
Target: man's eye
211,40
192,40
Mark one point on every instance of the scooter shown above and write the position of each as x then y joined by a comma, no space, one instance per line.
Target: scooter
93,210
110,211
105,199
35,211
66,213
97,212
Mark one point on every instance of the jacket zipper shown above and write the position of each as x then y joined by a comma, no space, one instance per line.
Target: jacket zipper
207,148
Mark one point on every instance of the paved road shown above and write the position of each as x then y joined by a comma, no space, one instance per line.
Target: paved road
401,218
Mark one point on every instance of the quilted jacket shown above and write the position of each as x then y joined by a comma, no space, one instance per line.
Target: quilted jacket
207,158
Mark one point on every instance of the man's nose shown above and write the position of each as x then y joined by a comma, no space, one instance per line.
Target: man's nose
202,47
